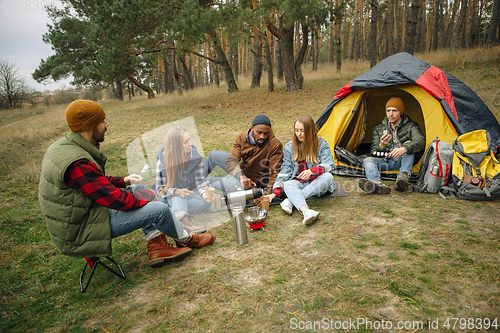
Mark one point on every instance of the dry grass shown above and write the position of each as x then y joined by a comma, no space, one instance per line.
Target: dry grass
461,58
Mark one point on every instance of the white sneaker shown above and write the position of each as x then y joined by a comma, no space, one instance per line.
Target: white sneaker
287,206
309,216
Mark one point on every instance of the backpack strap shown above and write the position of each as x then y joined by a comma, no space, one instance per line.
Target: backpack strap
444,190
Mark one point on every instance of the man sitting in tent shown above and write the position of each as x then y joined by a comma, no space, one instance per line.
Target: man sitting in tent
401,138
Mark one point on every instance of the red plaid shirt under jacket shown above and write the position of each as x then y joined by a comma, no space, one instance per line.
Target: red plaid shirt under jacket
86,177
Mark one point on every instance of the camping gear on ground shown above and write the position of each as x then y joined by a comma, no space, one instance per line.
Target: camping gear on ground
476,170
435,168
240,227
256,217
441,104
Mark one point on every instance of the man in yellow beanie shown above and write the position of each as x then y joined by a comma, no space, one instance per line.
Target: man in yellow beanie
395,140
84,209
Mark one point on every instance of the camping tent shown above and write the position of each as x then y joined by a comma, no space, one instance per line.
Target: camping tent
442,105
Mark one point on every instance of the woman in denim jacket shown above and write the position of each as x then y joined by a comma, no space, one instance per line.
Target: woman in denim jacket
305,170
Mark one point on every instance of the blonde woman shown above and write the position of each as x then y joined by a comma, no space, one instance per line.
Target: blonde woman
179,177
305,170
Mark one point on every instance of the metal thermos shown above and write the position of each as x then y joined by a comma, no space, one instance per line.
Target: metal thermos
434,180
241,197
240,227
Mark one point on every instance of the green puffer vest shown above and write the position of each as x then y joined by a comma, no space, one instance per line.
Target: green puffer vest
78,226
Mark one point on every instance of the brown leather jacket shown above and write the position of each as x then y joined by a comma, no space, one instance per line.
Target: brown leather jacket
260,164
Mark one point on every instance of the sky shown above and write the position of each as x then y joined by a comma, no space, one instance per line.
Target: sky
22,25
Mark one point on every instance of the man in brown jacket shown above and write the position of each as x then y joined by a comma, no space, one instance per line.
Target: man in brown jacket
255,159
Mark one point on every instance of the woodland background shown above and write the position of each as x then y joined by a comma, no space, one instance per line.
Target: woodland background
173,45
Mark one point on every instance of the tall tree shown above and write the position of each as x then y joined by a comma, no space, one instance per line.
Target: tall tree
447,35
100,42
390,27
307,14
257,59
437,24
373,33
269,62
459,26
412,27
13,88
494,27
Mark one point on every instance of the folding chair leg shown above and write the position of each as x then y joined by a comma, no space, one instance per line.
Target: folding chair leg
97,261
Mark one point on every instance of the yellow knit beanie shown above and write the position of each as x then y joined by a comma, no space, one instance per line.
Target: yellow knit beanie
397,103
82,115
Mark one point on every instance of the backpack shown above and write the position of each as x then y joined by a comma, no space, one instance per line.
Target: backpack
476,171
347,157
435,168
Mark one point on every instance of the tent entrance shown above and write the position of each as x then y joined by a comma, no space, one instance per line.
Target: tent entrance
368,111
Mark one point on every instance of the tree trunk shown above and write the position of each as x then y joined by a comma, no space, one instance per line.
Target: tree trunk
471,36
372,53
494,28
187,78
331,48
221,57
257,60
279,53
169,71
398,5
437,8
285,35
337,21
420,28
118,90
269,63
144,87
300,57
412,28
458,27
390,27
233,56
380,35
447,35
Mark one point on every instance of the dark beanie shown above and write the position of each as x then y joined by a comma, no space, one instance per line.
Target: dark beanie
83,115
261,120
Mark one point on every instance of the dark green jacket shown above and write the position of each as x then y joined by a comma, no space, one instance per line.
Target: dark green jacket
78,226
409,134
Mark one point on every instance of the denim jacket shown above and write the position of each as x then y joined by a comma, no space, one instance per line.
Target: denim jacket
290,169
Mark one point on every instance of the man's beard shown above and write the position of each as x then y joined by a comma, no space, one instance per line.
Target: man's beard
260,145
98,136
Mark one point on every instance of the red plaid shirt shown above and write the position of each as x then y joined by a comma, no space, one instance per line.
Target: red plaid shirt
86,177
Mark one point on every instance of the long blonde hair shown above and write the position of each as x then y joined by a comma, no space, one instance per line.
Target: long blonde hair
174,155
307,150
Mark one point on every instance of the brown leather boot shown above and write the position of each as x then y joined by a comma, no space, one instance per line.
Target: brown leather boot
197,241
159,251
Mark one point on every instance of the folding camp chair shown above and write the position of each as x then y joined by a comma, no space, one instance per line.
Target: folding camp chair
92,263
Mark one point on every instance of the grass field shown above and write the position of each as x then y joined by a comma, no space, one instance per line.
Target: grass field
409,258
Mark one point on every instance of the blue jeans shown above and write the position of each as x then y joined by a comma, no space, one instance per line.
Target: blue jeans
373,165
154,215
224,184
194,203
215,158
297,192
